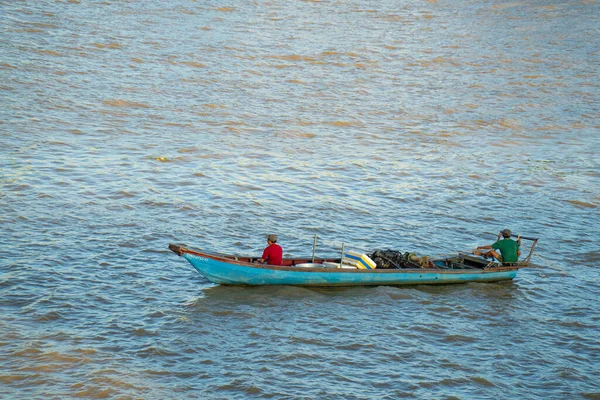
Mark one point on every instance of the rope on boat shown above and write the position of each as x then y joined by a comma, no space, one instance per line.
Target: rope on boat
552,264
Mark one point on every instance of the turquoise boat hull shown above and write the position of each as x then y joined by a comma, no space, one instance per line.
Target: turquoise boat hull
229,270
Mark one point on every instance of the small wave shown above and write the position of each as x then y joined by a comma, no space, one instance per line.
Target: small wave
293,57
56,357
41,368
102,299
222,313
124,104
309,341
50,53
591,395
582,204
459,338
355,346
510,124
188,150
86,351
248,186
121,194
58,143
482,381
345,123
27,353
156,314
282,66
51,316
141,332
210,105
305,123
96,393
10,379
193,64
400,294
295,134
592,256
240,385
107,45
506,5
155,351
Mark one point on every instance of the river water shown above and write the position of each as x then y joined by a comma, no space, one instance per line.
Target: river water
422,126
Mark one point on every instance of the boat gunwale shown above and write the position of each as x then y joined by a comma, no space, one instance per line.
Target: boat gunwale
233,260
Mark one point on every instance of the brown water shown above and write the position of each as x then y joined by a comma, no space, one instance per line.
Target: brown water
420,125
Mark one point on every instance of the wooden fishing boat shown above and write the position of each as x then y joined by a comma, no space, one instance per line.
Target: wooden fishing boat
342,271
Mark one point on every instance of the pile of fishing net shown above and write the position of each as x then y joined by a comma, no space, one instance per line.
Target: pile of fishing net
393,259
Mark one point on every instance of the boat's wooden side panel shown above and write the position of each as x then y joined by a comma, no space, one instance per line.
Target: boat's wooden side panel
241,260
227,273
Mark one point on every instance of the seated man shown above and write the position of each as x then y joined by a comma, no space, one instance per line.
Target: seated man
273,253
509,249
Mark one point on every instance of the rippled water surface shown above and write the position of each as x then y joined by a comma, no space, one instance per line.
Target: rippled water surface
414,125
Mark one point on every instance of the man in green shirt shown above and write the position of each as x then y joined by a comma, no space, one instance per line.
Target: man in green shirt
509,249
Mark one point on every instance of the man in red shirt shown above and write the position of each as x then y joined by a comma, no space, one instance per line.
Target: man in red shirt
273,253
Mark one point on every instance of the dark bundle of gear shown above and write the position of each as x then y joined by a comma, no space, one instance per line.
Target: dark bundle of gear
392,259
